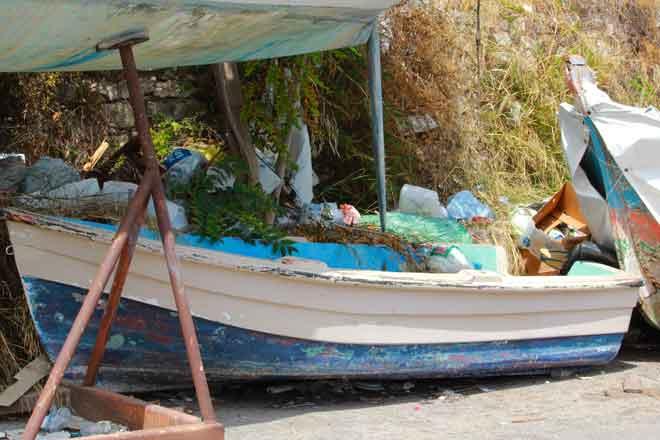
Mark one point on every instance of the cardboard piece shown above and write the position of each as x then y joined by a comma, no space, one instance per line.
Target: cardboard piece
562,209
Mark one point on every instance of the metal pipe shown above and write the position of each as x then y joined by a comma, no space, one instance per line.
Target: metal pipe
111,307
377,126
86,311
168,239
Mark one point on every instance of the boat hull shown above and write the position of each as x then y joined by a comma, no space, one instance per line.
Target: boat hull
635,229
310,301
146,351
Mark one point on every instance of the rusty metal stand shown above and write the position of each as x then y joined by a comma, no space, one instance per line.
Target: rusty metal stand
151,421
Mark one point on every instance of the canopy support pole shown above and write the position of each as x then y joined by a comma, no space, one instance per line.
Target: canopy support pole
117,261
377,126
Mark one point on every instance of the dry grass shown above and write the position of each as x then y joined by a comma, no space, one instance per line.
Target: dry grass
19,343
498,133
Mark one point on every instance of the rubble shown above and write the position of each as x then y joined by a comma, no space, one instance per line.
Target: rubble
48,174
12,173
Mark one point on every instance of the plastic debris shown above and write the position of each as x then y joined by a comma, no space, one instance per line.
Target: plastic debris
123,191
421,201
59,435
222,179
268,179
75,190
12,173
369,386
279,389
420,229
322,212
351,216
447,259
465,206
182,164
99,428
302,180
47,174
57,419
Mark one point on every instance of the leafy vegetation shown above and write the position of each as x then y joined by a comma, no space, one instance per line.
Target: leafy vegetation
217,210
168,133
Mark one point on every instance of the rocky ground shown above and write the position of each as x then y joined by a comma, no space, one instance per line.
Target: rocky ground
621,399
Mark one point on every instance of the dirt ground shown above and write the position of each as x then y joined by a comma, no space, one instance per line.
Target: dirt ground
617,401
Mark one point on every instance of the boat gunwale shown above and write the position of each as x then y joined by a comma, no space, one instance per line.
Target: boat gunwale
286,267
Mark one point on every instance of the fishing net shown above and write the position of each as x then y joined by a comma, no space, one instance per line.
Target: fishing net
418,229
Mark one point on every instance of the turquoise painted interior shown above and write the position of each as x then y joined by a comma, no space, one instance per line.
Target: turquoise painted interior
335,255
587,268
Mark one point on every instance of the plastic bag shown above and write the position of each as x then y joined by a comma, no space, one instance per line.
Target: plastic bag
447,259
182,164
465,206
57,419
123,192
421,201
420,229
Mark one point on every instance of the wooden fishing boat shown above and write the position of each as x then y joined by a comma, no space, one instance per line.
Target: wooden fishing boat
615,148
333,311
292,317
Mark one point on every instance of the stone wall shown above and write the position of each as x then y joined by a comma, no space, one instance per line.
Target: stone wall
175,93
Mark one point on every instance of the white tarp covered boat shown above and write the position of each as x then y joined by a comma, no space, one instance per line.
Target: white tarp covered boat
40,35
613,152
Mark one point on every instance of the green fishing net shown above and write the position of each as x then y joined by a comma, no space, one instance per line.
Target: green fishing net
419,229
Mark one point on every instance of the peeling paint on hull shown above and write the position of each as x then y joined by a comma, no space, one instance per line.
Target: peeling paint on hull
146,349
636,232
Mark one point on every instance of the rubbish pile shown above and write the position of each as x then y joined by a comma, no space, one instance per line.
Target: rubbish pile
61,424
556,236
208,198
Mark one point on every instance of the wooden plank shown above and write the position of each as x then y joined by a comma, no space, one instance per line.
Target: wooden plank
200,431
25,379
25,404
95,404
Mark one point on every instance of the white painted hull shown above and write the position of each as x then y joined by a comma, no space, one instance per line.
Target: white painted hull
307,300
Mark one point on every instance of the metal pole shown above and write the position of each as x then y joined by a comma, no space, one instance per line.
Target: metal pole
86,311
167,237
377,128
111,307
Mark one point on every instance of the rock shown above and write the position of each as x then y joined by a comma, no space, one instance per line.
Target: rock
12,173
176,108
515,112
75,190
422,123
110,90
119,114
173,89
502,39
48,174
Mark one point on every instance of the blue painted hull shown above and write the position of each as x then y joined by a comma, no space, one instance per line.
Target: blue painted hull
146,348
